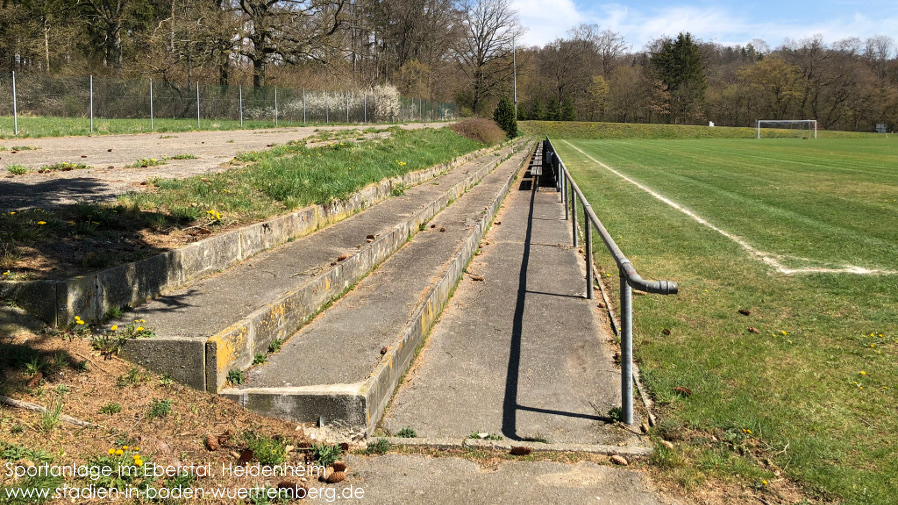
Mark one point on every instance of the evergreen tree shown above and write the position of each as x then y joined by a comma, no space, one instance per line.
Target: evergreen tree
678,64
504,117
568,111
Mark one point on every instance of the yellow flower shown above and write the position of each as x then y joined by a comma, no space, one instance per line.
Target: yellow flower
119,452
139,328
80,322
12,213
143,320
784,333
114,327
6,272
41,223
138,462
764,482
125,447
136,449
111,451
863,372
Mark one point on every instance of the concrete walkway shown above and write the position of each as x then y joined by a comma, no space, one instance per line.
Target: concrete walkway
409,479
522,353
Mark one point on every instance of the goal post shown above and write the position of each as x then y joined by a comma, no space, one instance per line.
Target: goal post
788,127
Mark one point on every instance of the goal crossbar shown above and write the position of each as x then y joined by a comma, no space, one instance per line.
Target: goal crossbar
812,124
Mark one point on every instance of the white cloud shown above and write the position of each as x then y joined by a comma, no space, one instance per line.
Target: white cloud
549,19
546,20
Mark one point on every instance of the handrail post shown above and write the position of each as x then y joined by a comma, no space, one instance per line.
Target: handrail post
574,217
564,194
626,349
588,238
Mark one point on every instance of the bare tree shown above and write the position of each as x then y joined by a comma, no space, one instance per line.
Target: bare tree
287,31
490,27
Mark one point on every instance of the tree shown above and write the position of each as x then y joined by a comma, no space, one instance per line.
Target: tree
598,94
485,50
287,31
678,65
504,117
778,86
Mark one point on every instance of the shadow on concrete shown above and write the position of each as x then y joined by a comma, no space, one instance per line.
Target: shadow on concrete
510,403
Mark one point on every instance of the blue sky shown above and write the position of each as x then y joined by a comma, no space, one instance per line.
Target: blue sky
722,22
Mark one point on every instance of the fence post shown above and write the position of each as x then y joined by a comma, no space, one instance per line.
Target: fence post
91,104
574,213
626,349
275,106
15,110
152,120
198,105
240,102
589,270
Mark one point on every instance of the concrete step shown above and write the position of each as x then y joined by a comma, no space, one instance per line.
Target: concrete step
344,366
219,323
523,354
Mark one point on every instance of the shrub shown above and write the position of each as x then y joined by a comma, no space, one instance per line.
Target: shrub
504,117
480,129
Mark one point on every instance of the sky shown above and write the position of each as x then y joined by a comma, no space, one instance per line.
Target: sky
728,23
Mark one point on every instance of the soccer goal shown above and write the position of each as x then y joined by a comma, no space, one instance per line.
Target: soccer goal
788,128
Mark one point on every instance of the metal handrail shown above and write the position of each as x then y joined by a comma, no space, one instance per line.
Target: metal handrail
629,277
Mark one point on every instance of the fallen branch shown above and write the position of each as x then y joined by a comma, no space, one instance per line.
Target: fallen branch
40,408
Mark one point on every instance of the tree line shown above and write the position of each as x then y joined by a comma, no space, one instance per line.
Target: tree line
455,50
591,75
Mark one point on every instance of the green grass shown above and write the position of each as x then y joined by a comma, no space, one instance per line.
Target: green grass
814,394
630,131
292,176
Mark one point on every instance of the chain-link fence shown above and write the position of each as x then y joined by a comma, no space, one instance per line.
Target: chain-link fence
28,96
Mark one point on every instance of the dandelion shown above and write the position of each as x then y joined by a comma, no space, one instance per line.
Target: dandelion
41,223
125,447
79,322
119,452
764,482
136,449
114,327
143,320
863,372
6,272
111,451
139,328
138,462
784,333
12,213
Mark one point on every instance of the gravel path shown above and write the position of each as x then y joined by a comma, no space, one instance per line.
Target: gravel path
108,156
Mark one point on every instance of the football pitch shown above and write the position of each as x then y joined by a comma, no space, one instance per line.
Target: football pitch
802,235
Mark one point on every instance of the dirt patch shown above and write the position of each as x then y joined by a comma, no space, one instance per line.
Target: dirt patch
41,368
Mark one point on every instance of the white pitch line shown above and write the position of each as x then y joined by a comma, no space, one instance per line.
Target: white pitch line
766,257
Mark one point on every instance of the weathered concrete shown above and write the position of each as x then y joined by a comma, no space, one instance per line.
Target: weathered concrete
238,313
402,479
92,296
521,354
366,341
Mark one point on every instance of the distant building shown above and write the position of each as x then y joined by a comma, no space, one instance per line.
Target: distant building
881,128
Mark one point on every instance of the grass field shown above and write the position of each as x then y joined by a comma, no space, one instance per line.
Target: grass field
63,127
787,225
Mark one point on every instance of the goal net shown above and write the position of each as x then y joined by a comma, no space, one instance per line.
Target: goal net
787,128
